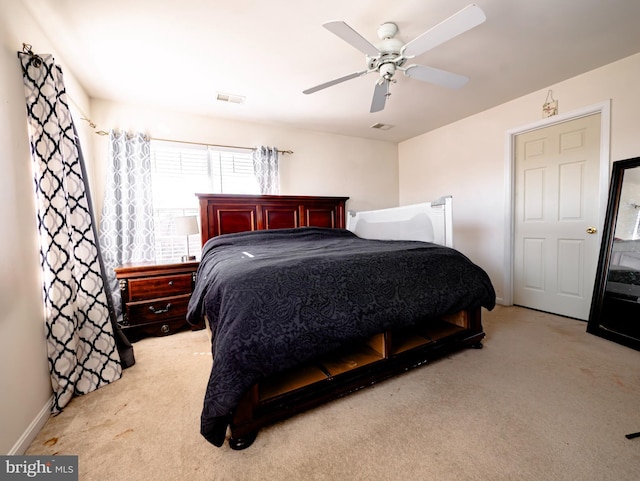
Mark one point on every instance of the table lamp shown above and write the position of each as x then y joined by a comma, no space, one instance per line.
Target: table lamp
186,225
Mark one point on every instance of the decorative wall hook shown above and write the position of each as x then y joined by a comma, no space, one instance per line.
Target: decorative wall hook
550,106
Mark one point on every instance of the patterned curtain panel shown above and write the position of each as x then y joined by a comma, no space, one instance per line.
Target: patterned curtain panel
82,349
126,225
265,168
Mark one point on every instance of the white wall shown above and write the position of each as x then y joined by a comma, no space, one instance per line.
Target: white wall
467,158
25,385
321,164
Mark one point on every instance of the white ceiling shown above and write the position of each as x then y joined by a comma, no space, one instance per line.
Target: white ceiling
178,54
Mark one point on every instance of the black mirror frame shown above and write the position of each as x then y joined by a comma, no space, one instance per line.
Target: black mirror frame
595,325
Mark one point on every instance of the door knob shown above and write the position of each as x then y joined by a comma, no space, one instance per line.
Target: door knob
591,230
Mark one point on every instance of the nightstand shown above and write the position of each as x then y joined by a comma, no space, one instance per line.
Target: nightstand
155,298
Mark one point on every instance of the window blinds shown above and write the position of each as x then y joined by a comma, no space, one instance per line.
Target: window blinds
178,172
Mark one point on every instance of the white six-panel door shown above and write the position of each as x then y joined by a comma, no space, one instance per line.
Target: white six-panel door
556,212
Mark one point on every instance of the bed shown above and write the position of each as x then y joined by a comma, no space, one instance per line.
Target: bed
302,309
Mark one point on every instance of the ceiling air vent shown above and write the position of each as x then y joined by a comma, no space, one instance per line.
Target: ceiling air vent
380,126
234,99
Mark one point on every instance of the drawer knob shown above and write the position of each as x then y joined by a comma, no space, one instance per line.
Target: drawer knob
160,311
170,283
164,329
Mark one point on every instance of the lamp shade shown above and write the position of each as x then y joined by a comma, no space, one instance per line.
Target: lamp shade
186,225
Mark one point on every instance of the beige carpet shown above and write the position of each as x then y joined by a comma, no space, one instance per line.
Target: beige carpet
543,400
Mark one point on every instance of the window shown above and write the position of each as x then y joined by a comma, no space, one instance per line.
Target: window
178,172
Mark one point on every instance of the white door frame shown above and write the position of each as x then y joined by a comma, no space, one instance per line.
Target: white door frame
604,109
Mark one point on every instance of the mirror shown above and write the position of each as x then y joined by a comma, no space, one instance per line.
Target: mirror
615,307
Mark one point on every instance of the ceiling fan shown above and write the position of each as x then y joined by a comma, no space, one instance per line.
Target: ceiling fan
390,54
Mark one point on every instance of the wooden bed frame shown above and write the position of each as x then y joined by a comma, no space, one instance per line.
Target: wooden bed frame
352,367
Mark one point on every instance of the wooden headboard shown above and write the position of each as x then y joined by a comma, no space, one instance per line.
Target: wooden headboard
227,214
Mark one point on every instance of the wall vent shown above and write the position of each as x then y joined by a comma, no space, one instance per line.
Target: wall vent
380,126
234,99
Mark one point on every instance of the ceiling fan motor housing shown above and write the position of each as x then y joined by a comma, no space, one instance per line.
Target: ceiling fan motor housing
389,49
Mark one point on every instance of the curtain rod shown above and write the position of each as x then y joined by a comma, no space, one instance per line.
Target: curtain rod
102,132
216,145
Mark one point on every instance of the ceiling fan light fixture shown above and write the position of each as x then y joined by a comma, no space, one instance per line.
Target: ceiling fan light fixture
381,126
234,99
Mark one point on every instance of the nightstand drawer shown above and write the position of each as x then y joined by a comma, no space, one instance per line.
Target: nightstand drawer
158,310
160,286
155,298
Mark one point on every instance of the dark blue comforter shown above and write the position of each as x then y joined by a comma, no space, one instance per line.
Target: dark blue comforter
277,298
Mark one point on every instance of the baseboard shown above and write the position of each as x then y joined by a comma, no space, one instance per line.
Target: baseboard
32,431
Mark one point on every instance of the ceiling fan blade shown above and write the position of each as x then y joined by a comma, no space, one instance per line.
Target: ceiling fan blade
349,35
379,96
335,81
467,18
435,76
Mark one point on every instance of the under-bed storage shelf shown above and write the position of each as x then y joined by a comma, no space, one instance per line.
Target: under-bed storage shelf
334,364
403,340
354,367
